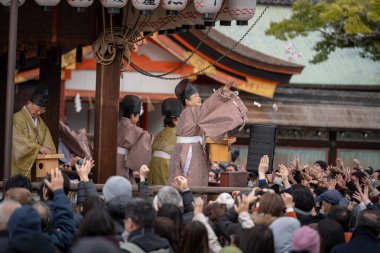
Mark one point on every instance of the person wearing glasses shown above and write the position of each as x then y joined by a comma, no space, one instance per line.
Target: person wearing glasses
30,134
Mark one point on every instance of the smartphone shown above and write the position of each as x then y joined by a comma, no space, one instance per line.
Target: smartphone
80,161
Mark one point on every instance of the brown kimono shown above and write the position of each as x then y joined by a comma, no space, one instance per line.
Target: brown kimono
222,112
134,148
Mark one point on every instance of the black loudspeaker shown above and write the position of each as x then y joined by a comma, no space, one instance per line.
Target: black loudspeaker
262,141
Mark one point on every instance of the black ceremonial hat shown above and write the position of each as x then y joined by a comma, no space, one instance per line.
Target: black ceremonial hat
131,104
40,95
171,107
184,90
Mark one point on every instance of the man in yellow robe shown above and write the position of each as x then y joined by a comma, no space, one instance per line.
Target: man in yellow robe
164,143
30,134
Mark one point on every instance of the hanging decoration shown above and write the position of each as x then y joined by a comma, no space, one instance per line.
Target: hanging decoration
145,6
208,8
114,6
80,4
8,2
172,7
77,103
47,4
131,34
242,10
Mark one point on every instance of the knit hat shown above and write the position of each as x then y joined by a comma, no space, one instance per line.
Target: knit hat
321,163
24,220
231,249
330,196
283,229
225,198
116,186
306,239
94,245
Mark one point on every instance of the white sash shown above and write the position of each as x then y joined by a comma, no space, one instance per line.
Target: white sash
161,154
123,151
192,139
189,140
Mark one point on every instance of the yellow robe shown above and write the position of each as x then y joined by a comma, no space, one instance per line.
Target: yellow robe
159,167
27,141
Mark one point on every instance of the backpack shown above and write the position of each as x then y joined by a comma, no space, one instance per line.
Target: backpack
133,248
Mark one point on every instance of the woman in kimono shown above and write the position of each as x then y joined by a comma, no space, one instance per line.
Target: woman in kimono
164,143
221,113
133,143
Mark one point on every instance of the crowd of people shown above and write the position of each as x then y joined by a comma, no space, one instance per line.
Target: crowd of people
315,209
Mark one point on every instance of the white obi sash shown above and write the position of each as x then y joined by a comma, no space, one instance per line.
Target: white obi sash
189,140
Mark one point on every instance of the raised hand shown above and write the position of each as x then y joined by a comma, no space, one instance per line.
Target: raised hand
340,181
263,166
84,169
230,83
288,200
198,205
56,181
295,162
182,183
144,170
242,205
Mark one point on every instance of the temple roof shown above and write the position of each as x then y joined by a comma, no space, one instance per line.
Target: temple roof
344,68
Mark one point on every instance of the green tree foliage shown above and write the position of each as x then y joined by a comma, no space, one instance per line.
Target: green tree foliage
342,24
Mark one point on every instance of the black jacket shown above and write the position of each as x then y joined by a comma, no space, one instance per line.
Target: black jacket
361,241
62,226
147,240
30,243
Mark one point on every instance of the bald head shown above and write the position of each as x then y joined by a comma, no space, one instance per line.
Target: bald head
21,195
7,207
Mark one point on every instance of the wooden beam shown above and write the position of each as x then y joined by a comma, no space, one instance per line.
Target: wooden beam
106,118
62,102
50,73
318,144
143,96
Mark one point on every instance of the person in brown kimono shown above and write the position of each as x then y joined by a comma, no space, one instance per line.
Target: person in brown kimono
221,113
133,143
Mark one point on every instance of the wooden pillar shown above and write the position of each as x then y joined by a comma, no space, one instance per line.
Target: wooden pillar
333,148
3,91
50,73
106,118
62,101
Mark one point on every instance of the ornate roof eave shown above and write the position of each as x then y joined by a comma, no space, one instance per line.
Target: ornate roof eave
248,56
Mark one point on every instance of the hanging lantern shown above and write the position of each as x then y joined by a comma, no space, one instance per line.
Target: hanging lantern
114,6
172,7
145,6
224,16
208,8
8,2
242,10
47,4
80,4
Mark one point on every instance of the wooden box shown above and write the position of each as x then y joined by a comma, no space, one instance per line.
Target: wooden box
43,165
234,179
220,151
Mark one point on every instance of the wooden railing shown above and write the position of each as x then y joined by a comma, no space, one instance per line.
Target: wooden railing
153,189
